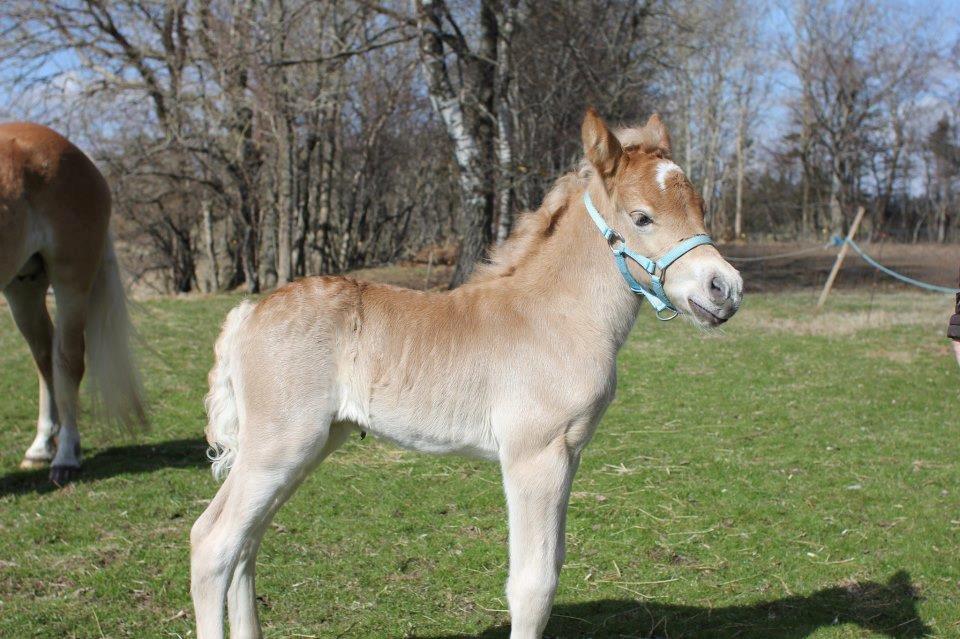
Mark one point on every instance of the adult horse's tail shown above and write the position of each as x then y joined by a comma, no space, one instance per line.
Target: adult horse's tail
223,420
113,375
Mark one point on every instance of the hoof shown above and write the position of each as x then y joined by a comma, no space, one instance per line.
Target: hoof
63,475
29,463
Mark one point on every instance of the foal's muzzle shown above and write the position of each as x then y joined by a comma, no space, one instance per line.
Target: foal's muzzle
720,298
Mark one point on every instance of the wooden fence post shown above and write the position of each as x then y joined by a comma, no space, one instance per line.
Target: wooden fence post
839,262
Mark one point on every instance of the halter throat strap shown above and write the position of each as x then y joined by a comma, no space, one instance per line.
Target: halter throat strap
654,294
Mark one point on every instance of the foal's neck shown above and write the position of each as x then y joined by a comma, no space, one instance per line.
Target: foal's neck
573,274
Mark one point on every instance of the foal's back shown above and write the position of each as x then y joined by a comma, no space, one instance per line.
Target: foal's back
370,353
432,371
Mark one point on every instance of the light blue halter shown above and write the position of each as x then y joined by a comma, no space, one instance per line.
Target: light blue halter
655,294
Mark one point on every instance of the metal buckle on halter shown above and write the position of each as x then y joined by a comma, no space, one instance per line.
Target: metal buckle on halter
613,238
669,309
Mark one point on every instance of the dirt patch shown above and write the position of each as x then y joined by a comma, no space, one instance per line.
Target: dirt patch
933,263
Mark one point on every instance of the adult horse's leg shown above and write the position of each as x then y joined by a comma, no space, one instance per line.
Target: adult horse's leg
242,596
229,530
537,485
68,369
27,297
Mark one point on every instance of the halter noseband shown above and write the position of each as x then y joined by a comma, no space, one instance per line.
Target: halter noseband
655,294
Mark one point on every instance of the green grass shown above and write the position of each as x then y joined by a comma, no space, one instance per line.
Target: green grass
790,477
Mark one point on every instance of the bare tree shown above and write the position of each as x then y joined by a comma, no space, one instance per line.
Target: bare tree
850,57
249,143
463,98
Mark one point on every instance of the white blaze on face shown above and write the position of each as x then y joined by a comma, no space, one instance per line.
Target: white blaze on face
664,169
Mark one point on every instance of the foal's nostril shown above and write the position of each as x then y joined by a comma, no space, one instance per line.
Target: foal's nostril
719,290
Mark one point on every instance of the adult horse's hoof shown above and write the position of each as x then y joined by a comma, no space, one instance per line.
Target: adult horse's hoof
63,475
30,463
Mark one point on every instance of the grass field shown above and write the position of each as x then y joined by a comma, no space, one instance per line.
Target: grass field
788,477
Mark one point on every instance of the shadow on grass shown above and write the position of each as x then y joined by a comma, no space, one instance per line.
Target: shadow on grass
889,610
110,462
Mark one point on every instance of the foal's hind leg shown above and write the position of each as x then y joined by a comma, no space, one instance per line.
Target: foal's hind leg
263,477
242,596
27,298
219,538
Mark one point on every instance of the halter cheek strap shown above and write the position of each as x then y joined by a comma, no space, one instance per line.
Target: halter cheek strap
655,294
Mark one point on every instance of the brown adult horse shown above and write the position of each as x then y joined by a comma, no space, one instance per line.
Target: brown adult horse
54,218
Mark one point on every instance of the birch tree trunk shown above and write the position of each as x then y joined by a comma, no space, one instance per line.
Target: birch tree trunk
329,150
836,207
741,151
285,202
505,119
284,134
306,174
710,168
210,246
460,114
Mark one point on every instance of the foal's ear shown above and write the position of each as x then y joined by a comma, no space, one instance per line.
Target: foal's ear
600,145
656,137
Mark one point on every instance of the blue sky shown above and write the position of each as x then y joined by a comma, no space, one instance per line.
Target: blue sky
771,127
945,16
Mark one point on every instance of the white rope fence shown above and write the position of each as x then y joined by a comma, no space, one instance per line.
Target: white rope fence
779,256
837,241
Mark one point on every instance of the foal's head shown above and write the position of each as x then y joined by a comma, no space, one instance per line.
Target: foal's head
653,206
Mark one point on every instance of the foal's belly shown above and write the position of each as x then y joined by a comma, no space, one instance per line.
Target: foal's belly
438,428
440,441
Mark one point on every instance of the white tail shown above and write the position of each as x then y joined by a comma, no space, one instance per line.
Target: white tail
113,376
223,420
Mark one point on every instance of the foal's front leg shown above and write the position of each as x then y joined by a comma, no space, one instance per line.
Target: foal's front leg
537,485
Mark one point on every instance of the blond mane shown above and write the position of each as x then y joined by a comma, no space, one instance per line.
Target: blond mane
531,226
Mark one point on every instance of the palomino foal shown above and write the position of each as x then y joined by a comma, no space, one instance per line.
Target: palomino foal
516,366
54,216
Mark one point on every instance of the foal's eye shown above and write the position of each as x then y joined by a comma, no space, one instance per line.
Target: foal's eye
644,220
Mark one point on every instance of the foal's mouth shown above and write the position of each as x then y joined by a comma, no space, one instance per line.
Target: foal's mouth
705,315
